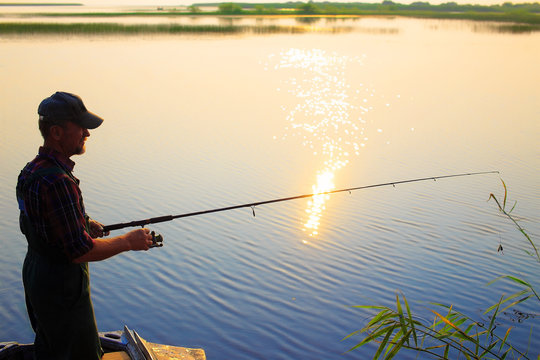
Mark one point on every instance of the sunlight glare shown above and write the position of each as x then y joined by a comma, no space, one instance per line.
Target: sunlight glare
327,117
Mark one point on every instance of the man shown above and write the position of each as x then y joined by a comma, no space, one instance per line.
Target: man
62,239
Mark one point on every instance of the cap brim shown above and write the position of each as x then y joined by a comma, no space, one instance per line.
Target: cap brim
90,120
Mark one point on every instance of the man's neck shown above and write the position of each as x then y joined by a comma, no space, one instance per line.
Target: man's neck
55,146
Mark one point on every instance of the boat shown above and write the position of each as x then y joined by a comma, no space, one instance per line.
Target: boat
123,344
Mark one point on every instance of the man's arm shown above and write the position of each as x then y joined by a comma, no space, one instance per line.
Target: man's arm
139,239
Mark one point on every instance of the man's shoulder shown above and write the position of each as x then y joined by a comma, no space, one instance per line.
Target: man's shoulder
44,170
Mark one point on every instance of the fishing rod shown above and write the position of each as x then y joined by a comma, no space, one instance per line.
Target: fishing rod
157,239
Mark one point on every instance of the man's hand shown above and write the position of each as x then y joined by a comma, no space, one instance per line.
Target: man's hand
139,239
96,229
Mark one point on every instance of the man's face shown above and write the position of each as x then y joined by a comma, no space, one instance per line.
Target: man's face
73,139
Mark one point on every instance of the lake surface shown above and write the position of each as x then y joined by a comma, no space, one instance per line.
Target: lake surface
195,122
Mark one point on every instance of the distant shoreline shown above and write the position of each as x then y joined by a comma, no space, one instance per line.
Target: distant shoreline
40,4
523,17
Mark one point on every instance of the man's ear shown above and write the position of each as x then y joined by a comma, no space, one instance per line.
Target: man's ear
56,132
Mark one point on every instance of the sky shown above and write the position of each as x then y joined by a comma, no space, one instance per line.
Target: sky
189,2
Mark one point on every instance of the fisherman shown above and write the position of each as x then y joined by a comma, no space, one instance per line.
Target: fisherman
62,239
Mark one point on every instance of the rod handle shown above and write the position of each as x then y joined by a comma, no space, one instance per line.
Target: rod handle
138,223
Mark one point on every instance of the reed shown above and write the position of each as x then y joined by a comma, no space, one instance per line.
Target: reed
451,334
304,26
114,28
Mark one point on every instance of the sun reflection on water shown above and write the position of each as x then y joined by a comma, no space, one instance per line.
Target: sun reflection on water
329,116
316,206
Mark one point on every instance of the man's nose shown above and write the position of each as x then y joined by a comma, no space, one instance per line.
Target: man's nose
86,133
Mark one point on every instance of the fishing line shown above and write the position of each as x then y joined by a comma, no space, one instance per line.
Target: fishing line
252,205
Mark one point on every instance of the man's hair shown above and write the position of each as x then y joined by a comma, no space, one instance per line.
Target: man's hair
46,122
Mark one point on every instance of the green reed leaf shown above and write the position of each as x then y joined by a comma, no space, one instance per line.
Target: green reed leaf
513,296
411,321
488,349
492,322
446,350
383,315
374,336
394,340
398,346
517,302
384,342
461,333
519,281
513,207
503,342
401,317
505,194
507,352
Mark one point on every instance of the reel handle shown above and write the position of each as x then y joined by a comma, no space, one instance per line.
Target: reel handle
157,240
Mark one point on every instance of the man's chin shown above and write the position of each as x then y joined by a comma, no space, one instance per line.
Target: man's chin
81,150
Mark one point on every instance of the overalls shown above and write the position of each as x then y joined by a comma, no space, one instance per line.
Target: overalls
57,294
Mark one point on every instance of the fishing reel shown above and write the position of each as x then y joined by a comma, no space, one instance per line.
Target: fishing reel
157,240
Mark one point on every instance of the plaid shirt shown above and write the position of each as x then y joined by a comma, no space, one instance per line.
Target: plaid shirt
53,203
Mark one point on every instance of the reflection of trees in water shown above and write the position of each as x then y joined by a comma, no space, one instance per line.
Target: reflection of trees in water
377,31
340,24
228,20
506,28
485,27
307,20
336,19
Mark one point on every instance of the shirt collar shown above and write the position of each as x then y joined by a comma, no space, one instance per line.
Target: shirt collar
57,156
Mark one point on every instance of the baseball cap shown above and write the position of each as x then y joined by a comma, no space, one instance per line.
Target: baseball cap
66,106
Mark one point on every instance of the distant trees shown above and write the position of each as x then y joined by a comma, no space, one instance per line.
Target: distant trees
308,8
260,9
230,8
522,13
388,5
420,5
194,9
266,9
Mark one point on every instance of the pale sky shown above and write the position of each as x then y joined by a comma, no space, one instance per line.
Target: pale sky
101,3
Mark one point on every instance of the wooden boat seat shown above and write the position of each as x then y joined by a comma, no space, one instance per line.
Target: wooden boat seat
117,355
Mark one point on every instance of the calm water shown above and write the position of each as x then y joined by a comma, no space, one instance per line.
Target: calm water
198,122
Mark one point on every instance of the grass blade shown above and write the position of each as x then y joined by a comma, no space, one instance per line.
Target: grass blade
401,317
384,342
373,336
411,321
448,322
517,302
492,322
505,194
513,296
488,349
517,280
446,350
398,346
503,342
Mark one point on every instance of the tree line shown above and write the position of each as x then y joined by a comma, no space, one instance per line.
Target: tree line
338,8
